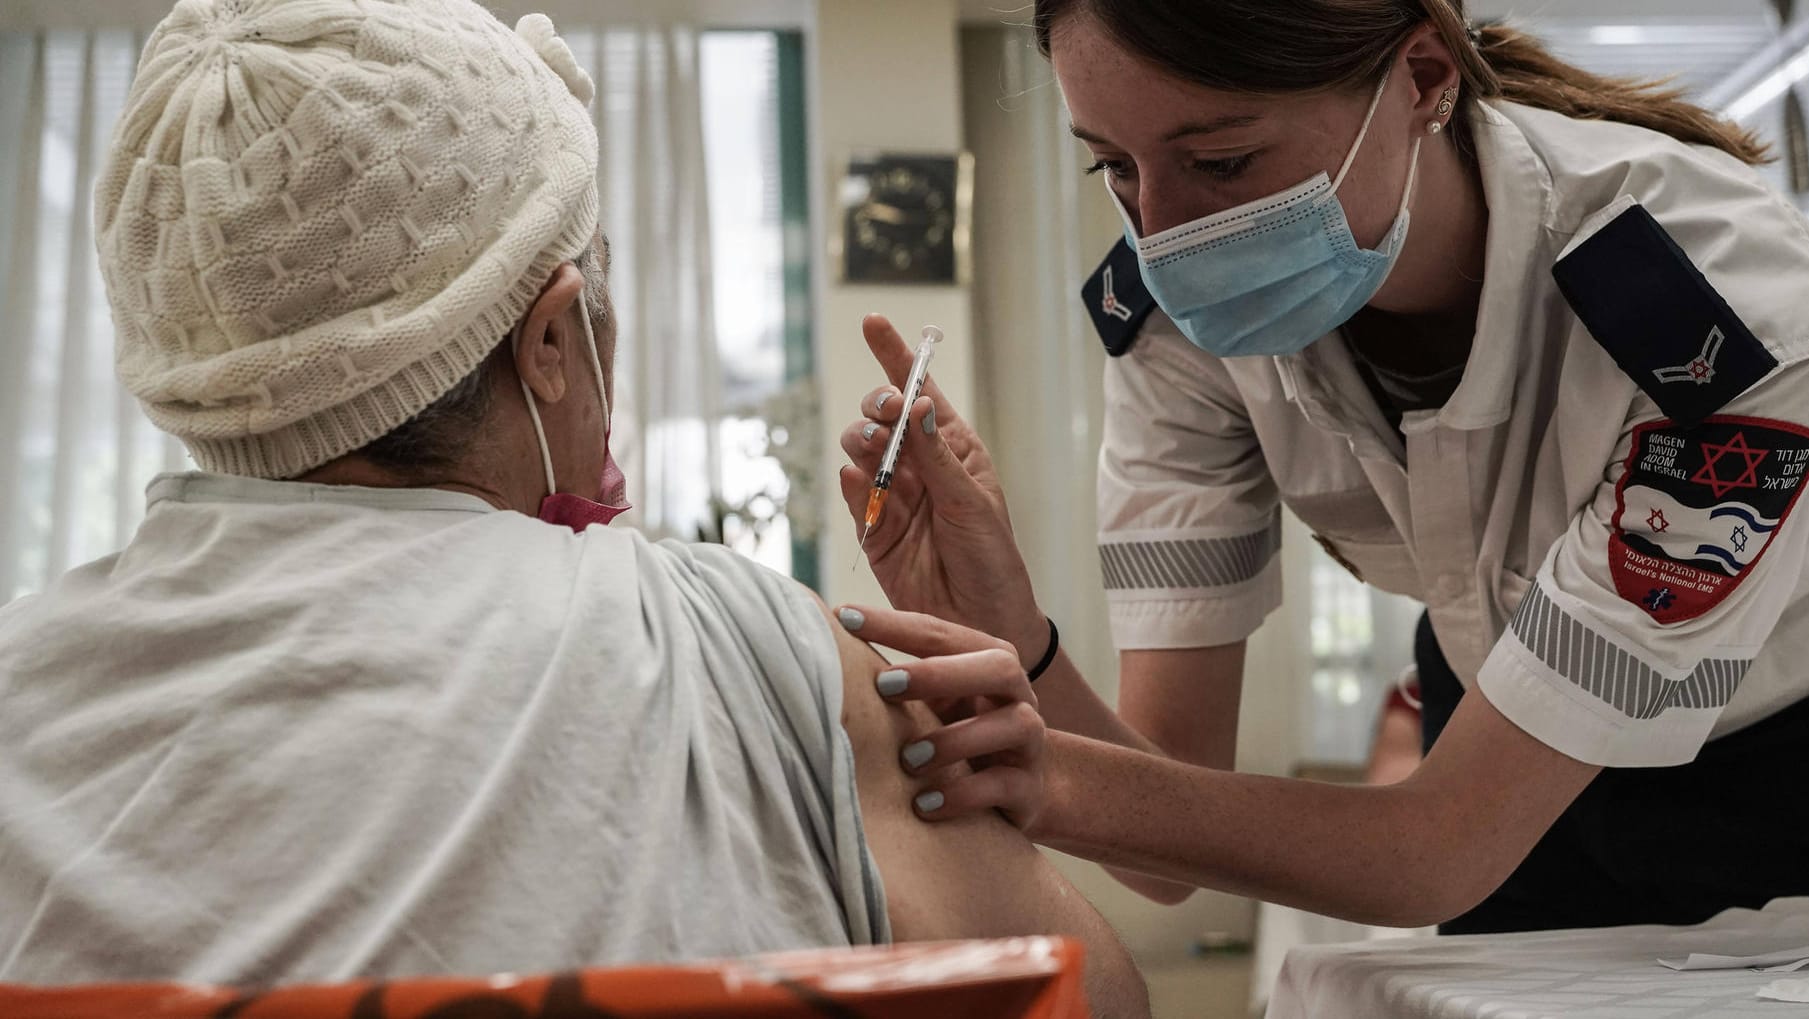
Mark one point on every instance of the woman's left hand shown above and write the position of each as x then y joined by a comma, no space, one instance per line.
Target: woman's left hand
976,687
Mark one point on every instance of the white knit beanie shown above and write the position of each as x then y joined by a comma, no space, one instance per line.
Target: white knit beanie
317,216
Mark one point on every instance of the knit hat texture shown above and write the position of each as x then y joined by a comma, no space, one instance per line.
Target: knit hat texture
317,216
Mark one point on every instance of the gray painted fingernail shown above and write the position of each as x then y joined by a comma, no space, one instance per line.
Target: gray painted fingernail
867,432
892,682
919,753
929,803
929,422
851,619
880,404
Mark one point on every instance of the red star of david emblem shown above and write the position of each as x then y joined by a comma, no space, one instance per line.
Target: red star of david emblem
1110,303
1710,475
1656,522
1700,369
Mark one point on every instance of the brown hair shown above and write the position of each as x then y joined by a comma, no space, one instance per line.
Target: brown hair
1269,46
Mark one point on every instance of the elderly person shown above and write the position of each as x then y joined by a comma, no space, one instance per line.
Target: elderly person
376,694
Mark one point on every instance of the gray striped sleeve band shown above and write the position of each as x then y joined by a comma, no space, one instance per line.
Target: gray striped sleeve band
1191,563
1610,672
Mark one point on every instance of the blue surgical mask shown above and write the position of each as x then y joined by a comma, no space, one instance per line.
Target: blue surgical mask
1273,276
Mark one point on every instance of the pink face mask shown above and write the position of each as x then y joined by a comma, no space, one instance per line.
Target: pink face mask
563,508
577,512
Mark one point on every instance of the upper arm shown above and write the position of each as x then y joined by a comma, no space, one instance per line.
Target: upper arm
975,877
1648,610
1185,700
1668,580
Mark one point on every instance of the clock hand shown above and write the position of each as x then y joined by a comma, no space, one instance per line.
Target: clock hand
890,214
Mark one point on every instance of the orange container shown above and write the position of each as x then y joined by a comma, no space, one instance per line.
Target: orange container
1016,978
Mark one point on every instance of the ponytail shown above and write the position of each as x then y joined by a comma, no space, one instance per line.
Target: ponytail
1502,62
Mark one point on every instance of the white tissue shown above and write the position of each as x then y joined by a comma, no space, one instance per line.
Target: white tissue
1785,990
1778,962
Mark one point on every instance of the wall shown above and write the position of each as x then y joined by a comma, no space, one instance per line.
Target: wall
1040,228
883,76
909,78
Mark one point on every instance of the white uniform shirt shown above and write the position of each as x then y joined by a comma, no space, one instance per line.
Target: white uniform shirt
308,733
1502,509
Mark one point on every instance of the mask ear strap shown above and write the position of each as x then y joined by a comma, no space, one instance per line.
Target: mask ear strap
1375,103
546,452
596,363
1413,175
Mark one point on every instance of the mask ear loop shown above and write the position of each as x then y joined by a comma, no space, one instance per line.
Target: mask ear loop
1375,103
1413,176
546,452
596,363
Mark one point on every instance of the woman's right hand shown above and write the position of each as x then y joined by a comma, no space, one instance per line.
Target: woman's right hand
944,545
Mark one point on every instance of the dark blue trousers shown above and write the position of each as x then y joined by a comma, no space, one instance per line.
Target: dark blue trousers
1653,845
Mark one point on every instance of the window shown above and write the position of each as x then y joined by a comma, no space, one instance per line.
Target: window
1360,639
752,111
75,451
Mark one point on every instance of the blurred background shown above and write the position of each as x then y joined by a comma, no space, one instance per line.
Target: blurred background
739,142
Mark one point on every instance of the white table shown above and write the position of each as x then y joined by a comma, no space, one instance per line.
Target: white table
1282,929
1609,973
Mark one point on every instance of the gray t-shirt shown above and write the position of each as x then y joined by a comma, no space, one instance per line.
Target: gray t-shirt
301,732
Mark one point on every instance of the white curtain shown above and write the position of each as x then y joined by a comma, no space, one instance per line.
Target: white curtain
75,450
656,215
1036,235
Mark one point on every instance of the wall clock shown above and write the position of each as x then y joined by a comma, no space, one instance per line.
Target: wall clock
906,218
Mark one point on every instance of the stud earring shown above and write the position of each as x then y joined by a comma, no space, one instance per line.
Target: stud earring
1447,102
1434,126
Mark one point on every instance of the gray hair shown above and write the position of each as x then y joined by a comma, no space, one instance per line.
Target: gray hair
443,433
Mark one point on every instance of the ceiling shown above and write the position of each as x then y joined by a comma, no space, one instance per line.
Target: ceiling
1696,41
1019,10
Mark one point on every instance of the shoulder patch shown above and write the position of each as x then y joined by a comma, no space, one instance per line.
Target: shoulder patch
1697,507
1655,313
1117,299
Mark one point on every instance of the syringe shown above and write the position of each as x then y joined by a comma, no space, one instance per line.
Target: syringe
913,387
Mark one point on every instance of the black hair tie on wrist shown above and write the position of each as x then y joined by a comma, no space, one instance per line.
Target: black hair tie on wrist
1055,644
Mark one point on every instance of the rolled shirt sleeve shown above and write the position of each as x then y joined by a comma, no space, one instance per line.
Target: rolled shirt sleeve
1649,610
1190,526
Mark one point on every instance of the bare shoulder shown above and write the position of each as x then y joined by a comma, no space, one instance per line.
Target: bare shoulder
974,877
877,730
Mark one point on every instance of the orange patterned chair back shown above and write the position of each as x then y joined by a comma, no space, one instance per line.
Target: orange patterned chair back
1018,978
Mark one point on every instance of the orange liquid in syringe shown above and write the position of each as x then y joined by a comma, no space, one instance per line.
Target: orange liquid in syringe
876,504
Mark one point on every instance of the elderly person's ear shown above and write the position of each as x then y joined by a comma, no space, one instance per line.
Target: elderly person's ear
546,344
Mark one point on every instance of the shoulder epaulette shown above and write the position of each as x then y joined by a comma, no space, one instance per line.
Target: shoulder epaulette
1117,299
1656,314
